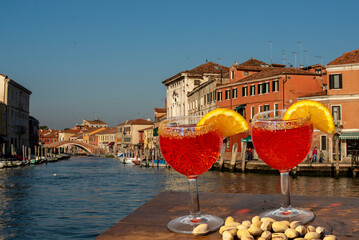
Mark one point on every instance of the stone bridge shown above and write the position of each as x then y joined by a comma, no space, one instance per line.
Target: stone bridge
84,146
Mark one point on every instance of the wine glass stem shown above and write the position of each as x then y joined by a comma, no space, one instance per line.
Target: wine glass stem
284,186
193,197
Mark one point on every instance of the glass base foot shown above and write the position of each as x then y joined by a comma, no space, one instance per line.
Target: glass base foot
186,224
290,214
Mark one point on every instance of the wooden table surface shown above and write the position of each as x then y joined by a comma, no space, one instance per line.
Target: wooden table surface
336,214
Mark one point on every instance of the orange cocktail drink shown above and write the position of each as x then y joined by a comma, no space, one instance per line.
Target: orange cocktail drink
191,153
191,150
283,144
284,147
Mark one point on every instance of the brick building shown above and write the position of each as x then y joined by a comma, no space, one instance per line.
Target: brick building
255,86
341,96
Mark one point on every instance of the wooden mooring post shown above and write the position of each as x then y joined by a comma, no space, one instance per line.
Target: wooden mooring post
221,157
234,157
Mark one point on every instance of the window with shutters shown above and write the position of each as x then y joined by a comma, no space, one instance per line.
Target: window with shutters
244,91
219,98
234,93
228,93
253,90
335,81
275,86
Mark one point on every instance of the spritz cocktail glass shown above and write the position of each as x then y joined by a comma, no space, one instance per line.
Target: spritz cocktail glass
283,144
190,150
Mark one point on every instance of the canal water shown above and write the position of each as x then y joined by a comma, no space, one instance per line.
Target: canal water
81,197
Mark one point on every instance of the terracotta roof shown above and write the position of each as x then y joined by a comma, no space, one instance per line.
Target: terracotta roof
70,131
108,130
271,72
321,93
139,122
256,65
96,122
160,110
208,67
346,58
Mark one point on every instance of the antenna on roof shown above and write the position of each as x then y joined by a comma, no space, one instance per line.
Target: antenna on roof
321,59
270,43
283,58
300,47
306,51
295,59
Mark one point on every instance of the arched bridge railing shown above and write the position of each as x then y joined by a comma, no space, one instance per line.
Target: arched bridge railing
85,146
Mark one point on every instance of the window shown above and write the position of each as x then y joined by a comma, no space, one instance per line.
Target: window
260,88
246,73
336,112
335,81
244,91
276,107
275,86
227,96
234,93
324,142
252,112
266,107
253,90
266,87
214,95
242,111
318,71
232,74
260,108
219,98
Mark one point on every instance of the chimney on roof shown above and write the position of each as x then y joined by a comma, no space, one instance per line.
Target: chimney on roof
301,66
236,63
148,119
251,57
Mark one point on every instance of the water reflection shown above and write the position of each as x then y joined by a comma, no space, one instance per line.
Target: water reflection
82,197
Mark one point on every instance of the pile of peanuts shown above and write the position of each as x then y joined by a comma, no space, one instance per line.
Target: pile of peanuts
270,229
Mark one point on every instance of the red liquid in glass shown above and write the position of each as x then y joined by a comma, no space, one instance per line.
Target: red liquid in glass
191,155
282,149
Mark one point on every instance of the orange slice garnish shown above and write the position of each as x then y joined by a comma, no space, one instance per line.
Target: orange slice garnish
227,121
320,115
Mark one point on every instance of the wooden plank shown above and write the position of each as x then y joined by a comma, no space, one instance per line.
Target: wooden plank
341,215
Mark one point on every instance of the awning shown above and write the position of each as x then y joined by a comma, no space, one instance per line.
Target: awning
349,135
247,139
111,143
240,106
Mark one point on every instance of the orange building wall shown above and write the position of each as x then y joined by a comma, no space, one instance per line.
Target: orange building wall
350,85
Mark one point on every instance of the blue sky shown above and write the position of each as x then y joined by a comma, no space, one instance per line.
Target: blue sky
107,59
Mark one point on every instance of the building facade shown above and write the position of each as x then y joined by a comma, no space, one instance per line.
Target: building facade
94,123
17,101
128,135
255,86
341,97
179,85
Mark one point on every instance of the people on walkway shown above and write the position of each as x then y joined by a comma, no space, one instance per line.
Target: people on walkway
315,155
